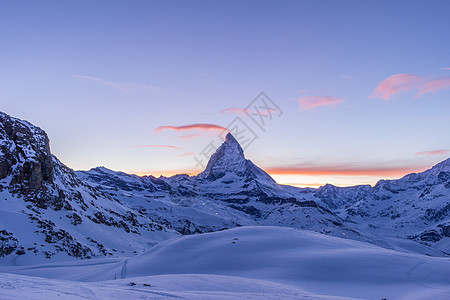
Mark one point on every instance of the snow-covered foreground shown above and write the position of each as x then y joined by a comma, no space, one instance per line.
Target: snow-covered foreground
151,287
258,262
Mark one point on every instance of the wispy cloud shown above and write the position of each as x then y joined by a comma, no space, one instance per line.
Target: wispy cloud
434,86
396,84
318,101
190,136
445,68
236,111
186,154
409,82
124,87
434,152
155,146
199,126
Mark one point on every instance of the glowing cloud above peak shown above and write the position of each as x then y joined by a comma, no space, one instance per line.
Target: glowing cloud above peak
198,126
234,110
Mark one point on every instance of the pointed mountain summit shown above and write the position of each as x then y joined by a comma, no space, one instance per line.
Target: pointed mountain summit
229,158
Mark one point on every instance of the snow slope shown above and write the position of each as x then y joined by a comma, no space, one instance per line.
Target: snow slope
304,260
308,260
151,287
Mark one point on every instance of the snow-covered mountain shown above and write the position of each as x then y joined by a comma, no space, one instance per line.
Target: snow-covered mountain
229,160
47,211
51,211
415,207
231,189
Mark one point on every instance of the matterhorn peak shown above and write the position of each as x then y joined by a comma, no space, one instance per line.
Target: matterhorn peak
232,147
230,139
229,158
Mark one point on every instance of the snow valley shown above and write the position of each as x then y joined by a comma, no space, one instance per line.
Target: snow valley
230,232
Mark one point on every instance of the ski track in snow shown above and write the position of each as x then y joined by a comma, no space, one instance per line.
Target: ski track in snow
123,272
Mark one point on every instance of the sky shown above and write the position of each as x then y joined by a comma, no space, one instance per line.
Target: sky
340,92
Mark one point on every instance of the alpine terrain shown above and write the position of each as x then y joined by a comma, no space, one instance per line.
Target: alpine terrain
229,232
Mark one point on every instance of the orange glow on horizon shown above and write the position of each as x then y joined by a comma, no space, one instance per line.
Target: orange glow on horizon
317,171
314,176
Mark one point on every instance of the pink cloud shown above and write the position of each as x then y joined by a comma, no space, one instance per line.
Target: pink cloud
433,86
190,136
155,146
396,84
199,126
445,68
237,111
434,152
409,82
186,154
316,101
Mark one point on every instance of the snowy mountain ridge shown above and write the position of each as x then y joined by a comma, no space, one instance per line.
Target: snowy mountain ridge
49,211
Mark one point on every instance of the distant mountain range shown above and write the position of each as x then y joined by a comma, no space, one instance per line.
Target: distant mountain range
48,211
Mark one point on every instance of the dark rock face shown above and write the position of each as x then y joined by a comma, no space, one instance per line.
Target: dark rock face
25,155
430,236
446,230
8,243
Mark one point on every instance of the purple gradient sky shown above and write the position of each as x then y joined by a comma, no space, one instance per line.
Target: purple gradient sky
364,85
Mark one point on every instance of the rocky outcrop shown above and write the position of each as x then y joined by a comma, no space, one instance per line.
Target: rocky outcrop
25,161
47,210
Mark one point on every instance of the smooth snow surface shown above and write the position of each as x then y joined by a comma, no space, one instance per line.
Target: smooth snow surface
282,262
151,287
